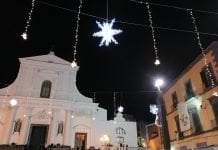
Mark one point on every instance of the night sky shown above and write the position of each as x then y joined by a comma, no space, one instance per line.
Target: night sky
126,68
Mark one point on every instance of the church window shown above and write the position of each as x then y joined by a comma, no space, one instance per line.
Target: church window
45,89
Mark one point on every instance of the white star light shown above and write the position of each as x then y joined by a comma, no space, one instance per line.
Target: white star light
107,33
153,109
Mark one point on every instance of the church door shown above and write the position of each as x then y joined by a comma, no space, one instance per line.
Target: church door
37,137
80,141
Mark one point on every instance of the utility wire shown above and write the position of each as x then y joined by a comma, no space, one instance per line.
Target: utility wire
69,10
120,92
175,7
132,23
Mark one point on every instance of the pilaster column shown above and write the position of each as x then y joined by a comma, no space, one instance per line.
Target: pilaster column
25,126
9,129
68,129
60,127
53,127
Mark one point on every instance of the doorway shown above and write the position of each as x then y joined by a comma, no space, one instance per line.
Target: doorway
80,141
37,136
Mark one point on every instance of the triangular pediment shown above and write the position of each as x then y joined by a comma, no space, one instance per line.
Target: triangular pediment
49,58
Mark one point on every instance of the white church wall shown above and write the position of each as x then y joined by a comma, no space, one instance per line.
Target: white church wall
130,137
65,101
101,114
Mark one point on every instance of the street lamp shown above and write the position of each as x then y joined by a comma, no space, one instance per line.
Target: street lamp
162,115
158,83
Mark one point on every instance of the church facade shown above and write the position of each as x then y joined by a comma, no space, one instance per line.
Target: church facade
43,106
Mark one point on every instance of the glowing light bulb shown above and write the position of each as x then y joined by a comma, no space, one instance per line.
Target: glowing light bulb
13,102
120,109
73,64
157,62
49,112
159,83
24,35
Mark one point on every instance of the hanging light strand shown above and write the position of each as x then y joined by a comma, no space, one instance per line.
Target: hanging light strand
94,96
114,98
157,61
74,63
107,12
201,47
136,24
24,34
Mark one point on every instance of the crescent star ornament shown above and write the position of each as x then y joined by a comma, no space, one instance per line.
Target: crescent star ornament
107,33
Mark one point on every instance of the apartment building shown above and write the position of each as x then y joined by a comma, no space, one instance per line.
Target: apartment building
191,104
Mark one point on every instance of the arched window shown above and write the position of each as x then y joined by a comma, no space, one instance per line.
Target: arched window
120,130
45,89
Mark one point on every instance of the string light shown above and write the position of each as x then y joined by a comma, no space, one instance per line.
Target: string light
24,35
157,61
201,47
94,97
114,98
74,63
137,24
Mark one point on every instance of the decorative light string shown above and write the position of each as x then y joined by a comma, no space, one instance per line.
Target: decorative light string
201,47
94,97
121,108
114,98
25,33
136,24
74,63
157,61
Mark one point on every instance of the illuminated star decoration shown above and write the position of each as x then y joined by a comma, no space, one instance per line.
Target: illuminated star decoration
107,33
153,109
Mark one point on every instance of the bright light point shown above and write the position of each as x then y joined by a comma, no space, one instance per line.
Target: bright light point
72,116
13,102
24,35
24,115
73,64
49,112
107,33
153,109
120,109
159,82
157,62
93,118
215,94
